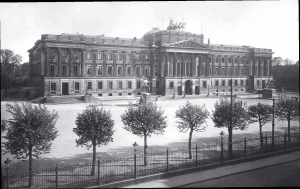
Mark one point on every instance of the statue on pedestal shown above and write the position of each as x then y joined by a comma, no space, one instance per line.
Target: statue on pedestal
146,86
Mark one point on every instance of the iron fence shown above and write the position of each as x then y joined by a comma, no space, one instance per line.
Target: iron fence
130,167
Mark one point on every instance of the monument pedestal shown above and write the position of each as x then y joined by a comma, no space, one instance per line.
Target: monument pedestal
145,97
268,93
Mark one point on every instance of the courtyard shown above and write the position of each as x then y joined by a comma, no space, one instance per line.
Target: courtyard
64,150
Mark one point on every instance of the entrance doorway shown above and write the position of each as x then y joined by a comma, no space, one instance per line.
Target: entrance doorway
188,87
65,87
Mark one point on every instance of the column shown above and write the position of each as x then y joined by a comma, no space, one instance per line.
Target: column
173,60
232,66
83,68
104,62
167,65
133,63
71,73
46,61
194,67
124,62
270,66
162,66
201,71
208,57
238,67
31,68
219,65
213,65
59,62
94,62
182,65
226,61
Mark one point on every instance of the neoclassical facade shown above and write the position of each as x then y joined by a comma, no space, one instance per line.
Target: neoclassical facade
174,61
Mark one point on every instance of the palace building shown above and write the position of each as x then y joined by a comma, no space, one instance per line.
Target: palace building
174,61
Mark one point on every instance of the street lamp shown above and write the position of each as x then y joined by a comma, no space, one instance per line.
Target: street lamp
222,133
7,162
135,144
135,148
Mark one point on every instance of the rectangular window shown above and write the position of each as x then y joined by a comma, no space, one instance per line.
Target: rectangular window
53,87
223,71
171,84
137,57
51,70
120,71
76,86
155,70
75,55
99,70
99,56
88,55
129,85
223,83
146,57
241,71
223,60
216,71
204,84
64,54
64,71
128,57
109,70
128,70
217,60
147,71
217,83
100,85
138,84
109,56
89,70
75,70
257,82
242,82
235,82
119,56
110,85
155,57
89,86
187,68
229,82
178,68
138,71
120,85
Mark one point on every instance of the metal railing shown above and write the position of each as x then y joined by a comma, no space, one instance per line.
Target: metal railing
130,167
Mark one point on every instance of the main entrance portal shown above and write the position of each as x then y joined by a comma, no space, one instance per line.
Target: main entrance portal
188,87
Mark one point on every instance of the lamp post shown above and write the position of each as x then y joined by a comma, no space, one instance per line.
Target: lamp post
7,162
135,144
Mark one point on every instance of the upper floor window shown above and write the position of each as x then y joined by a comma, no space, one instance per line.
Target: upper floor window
128,57
129,85
147,71
187,69
178,69
89,85
75,70
128,70
217,60
51,70
222,71
119,56
99,70
109,70
216,71
241,71
146,57
120,86
64,53
137,57
120,70
109,56
99,56
229,60
155,57
138,71
75,55
223,60
88,55
210,71
89,70
64,70
138,84
235,71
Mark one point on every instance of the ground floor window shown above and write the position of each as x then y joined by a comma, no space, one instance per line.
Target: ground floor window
53,87
257,82
171,85
89,85
76,86
129,85
223,83
110,85
100,85
204,84
138,84
120,85
242,82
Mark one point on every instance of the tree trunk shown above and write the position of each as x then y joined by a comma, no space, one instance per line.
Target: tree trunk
261,137
30,166
94,160
190,145
145,150
230,142
289,130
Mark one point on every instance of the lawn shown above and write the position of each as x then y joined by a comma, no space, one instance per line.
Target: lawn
64,150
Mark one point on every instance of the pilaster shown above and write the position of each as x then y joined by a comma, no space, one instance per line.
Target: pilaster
83,67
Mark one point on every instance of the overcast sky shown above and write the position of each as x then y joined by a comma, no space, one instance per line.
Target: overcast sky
267,24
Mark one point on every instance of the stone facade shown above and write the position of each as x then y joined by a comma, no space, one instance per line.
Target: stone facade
173,61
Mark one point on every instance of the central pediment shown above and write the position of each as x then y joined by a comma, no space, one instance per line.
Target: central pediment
187,44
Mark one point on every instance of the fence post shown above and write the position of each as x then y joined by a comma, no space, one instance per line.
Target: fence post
266,144
197,155
284,139
245,149
56,177
221,151
167,160
98,171
134,165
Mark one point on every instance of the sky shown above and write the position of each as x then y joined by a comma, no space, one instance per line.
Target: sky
262,24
